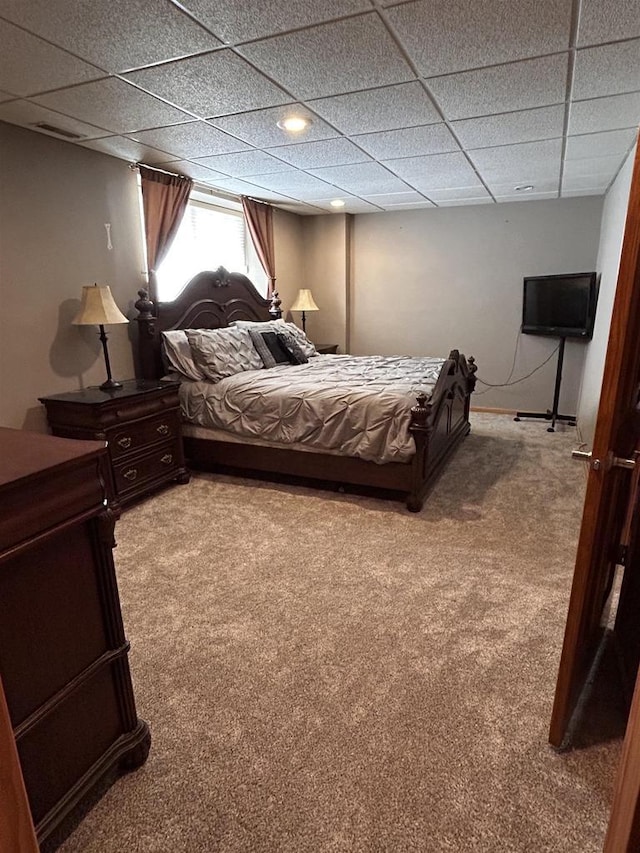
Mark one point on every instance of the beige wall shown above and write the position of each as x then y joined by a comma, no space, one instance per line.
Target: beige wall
426,281
55,201
289,254
56,198
325,273
611,235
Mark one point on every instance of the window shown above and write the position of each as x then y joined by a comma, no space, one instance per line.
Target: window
209,236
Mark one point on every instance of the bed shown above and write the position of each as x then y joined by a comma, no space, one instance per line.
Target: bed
429,415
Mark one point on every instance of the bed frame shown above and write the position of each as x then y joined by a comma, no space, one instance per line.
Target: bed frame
438,423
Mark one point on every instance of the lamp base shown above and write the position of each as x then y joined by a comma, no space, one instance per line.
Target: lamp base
110,385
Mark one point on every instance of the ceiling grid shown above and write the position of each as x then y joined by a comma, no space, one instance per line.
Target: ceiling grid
409,103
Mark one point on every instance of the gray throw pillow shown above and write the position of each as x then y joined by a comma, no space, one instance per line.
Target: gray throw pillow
293,349
223,352
269,348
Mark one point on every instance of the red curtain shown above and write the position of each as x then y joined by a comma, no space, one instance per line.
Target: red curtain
259,219
164,201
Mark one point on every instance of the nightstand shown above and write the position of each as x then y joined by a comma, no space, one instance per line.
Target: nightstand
327,349
140,422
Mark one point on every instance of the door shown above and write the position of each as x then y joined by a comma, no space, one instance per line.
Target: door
623,834
608,514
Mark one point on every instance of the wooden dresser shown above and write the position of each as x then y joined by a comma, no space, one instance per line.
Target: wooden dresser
140,422
63,652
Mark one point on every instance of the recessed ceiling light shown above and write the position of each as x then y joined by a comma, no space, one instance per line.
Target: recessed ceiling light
337,202
294,124
524,188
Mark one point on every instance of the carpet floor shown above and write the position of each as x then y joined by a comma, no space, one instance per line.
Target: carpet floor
325,673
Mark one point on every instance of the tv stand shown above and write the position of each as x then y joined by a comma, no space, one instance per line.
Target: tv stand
552,414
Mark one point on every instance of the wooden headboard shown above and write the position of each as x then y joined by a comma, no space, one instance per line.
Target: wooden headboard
210,300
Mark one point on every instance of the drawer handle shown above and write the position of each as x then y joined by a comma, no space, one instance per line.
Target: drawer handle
124,443
167,458
163,429
130,474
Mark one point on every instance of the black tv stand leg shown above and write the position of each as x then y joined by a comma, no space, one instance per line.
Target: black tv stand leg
552,414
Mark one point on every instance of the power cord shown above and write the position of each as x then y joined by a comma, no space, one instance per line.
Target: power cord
508,382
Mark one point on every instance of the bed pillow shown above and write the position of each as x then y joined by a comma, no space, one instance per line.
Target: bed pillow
177,355
292,348
263,325
269,348
307,346
223,352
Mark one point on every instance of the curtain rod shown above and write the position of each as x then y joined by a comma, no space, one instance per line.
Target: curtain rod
135,167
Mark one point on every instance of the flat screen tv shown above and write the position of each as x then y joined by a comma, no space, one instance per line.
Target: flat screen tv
560,305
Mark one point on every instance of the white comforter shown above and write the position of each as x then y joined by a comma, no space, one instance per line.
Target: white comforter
352,406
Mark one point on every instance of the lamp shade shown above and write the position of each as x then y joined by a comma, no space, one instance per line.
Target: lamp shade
98,308
304,302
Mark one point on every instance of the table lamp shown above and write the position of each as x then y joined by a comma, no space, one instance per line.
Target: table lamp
98,308
304,302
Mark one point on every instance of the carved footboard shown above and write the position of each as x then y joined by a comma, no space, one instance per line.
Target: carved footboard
439,423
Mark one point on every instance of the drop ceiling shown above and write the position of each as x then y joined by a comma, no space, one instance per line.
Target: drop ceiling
411,104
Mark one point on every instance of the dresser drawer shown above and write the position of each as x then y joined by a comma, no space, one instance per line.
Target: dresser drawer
160,464
140,434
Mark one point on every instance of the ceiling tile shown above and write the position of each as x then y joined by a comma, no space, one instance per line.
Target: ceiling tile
362,178
293,182
443,36
388,108
500,188
524,162
595,168
113,104
410,142
608,20
251,19
568,193
210,85
260,127
328,152
386,199
509,128
128,149
239,187
331,59
48,66
438,171
594,184
352,205
28,114
193,170
514,175
115,34
503,88
477,191
410,205
464,202
299,208
527,196
246,163
190,140
609,70
608,143
605,113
